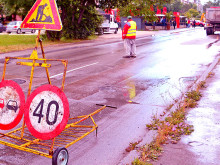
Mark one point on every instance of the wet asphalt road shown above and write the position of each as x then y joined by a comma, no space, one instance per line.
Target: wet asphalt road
97,74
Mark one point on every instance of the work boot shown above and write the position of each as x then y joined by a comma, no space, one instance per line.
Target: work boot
133,56
126,56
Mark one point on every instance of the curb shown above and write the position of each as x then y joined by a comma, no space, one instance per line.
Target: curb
206,73
135,154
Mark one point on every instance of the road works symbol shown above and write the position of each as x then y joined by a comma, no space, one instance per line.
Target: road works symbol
12,101
43,15
47,112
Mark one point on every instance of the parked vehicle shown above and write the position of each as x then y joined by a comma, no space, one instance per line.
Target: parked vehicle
200,23
212,20
1,28
15,26
109,24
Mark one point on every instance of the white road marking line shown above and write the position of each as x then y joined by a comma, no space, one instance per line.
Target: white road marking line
73,69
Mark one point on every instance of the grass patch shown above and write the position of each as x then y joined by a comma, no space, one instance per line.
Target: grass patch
169,107
93,37
170,129
8,40
202,84
139,162
192,97
12,42
16,42
132,146
211,74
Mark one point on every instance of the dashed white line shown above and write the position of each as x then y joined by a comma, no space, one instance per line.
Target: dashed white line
74,69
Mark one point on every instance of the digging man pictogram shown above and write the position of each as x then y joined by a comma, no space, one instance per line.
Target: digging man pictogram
41,14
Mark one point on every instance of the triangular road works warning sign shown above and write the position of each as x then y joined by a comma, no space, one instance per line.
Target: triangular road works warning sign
43,15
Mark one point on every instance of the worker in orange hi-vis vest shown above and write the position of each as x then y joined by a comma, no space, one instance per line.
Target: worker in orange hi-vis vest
129,36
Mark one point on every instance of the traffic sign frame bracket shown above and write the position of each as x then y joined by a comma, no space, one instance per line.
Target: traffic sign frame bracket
22,139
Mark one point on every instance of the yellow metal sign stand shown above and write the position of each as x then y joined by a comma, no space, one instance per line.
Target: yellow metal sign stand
22,139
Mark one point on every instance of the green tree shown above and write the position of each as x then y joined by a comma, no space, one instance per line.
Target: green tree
193,12
188,15
80,18
17,7
210,4
2,7
112,4
176,6
186,7
2,10
142,8
169,16
26,6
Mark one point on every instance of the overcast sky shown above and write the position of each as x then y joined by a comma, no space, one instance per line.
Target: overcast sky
204,1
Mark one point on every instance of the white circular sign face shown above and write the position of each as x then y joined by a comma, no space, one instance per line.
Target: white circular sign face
47,112
12,101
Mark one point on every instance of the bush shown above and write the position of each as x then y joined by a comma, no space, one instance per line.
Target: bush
74,26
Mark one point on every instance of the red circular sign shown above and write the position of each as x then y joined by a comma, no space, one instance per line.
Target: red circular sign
12,101
46,112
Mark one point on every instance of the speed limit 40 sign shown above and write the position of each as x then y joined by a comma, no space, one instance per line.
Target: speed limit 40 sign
46,112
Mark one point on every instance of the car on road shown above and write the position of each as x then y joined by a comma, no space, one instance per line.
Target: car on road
199,23
109,24
15,26
1,28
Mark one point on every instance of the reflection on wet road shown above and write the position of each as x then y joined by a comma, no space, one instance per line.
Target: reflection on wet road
139,88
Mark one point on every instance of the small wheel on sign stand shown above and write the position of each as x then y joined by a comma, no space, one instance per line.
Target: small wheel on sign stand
60,156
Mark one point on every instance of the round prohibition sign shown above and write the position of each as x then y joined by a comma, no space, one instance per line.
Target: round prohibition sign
12,101
46,112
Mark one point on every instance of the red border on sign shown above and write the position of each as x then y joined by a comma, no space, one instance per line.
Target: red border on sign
18,118
61,126
57,26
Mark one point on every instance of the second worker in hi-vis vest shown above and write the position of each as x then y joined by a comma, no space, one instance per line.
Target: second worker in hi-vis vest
129,36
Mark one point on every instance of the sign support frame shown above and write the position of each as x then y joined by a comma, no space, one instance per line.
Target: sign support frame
34,58
23,140
72,132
